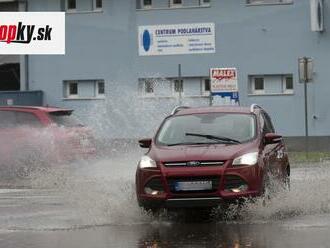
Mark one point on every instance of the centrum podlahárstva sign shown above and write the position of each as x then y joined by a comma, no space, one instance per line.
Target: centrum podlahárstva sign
193,38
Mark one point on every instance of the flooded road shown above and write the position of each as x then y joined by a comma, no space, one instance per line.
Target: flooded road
92,204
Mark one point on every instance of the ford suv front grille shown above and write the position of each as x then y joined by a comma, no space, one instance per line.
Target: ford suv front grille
194,163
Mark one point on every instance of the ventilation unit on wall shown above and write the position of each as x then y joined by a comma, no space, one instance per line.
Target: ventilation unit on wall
317,17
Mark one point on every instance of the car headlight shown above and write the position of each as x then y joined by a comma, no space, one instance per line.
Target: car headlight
246,159
147,162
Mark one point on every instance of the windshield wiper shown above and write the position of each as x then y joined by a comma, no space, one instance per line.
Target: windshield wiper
213,137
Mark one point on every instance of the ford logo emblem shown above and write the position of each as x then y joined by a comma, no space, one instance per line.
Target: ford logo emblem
193,163
146,40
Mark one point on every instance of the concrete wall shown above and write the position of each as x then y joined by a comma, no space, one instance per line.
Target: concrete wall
266,40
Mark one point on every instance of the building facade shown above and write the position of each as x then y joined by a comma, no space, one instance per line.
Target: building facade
112,84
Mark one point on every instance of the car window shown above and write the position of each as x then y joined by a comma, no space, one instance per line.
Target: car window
27,119
64,118
7,119
240,127
11,119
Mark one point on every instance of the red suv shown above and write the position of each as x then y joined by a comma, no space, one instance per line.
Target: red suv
203,157
52,133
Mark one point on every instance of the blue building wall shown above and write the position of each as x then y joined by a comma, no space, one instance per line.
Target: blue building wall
257,40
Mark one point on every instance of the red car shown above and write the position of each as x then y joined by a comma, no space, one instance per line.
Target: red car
204,157
47,132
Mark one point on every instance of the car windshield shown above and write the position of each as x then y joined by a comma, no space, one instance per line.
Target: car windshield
65,119
227,128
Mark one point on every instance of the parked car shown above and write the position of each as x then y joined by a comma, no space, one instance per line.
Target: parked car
42,133
204,157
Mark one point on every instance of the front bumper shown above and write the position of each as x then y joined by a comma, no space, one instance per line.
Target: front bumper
182,203
169,198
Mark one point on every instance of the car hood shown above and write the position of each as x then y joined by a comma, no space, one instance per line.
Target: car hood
209,152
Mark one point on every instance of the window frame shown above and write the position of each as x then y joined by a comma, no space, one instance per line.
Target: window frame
68,89
203,91
275,2
95,8
253,89
202,3
97,89
73,10
143,6
285,90
143,85
176,5
94,94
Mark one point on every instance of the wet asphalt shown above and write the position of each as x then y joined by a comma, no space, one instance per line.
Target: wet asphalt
92,204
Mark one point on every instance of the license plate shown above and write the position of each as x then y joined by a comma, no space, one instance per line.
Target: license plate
193,186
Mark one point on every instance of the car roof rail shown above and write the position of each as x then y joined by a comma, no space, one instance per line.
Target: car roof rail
254,106
178,108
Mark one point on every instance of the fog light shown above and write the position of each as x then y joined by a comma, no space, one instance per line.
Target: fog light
154,187
151,191
239,189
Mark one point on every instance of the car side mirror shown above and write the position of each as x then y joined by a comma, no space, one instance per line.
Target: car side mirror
145,143
272,138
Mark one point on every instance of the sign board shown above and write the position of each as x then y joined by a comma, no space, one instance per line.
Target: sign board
194,38
224,86
32,33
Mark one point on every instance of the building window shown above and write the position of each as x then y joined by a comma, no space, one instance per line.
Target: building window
188,87
83,89
74,6
271,84
204,2
150,4
178,85
261,2
73,89
97,4
206,86
147,86
176,3
146,4
257,85
71,5
100,88
288,84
